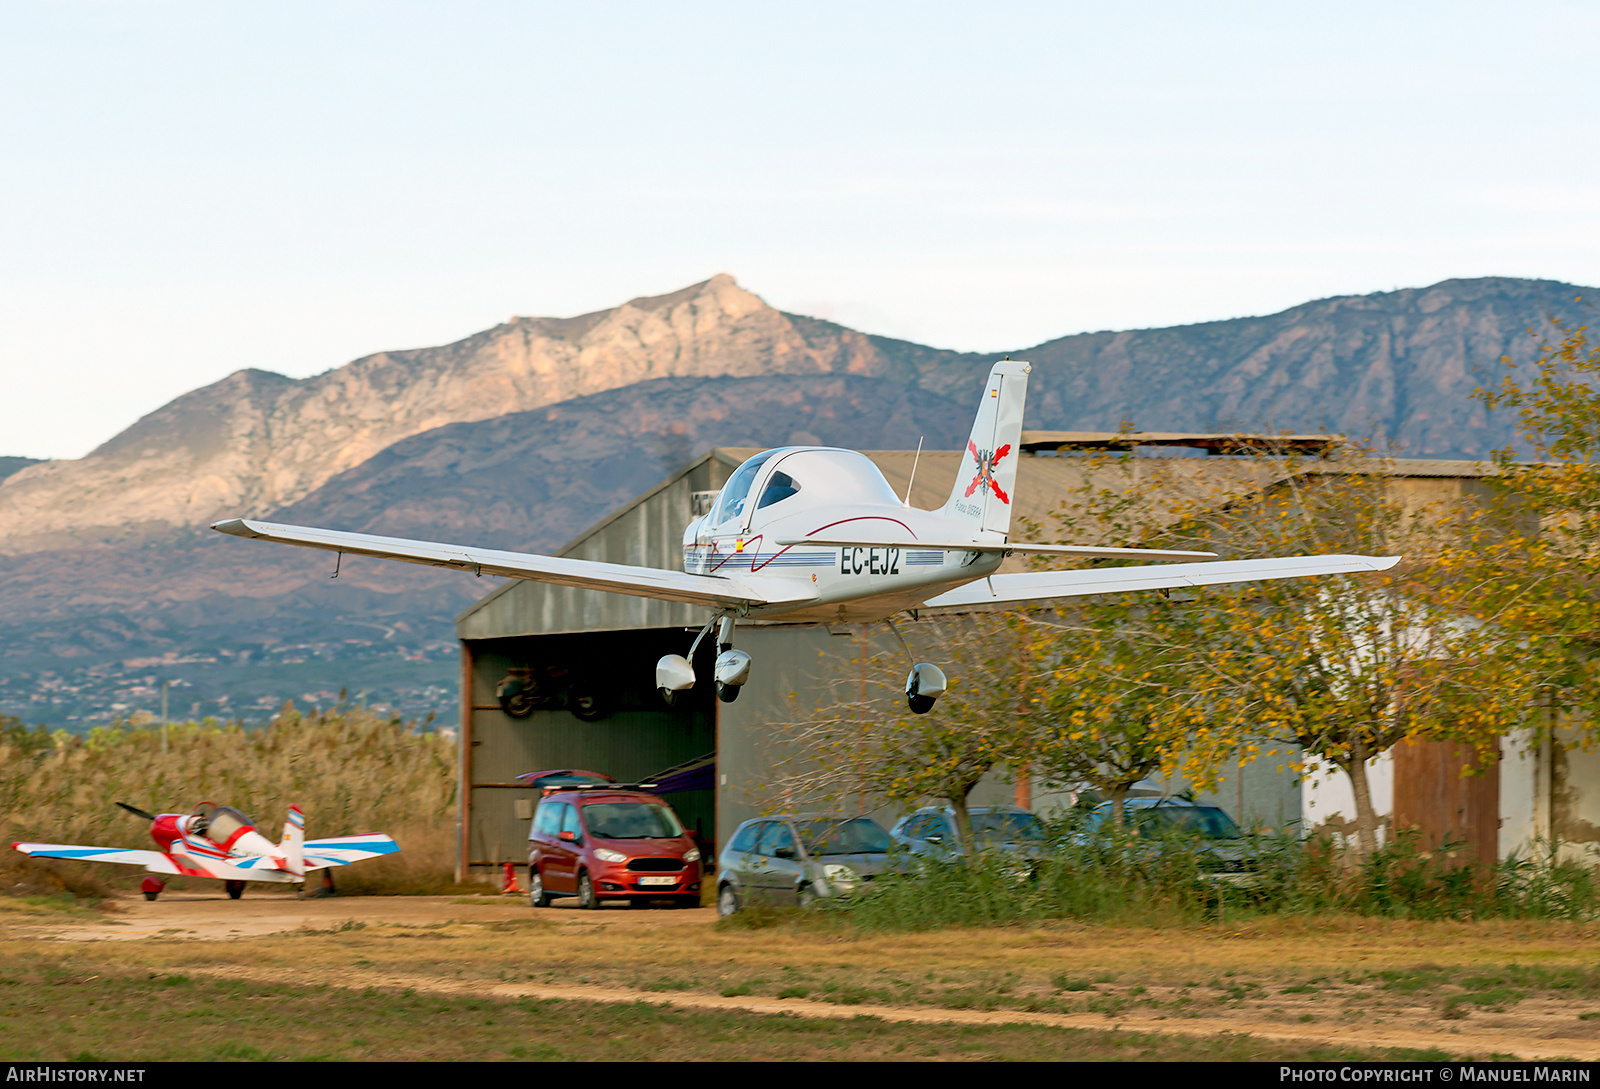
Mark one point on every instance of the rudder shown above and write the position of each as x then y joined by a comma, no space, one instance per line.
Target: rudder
294,842
982,492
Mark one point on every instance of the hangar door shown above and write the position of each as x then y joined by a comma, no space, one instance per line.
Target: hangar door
582,700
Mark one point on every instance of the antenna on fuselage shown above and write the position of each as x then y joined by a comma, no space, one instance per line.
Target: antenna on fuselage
907,501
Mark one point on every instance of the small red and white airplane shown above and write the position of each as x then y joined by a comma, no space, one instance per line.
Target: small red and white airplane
811,533
221,842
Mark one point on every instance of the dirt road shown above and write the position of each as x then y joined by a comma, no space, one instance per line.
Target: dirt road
208,916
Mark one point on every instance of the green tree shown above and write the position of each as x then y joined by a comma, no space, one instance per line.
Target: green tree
1341,667
1120,698
1538,554
863,746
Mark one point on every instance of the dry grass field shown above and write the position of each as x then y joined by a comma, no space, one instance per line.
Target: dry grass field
480,977
88,969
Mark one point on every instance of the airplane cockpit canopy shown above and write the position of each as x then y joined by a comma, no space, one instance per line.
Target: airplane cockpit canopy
731,503
823,475
224,823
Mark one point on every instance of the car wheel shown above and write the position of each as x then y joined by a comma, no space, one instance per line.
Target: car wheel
727,901
586,897
806,897
536,894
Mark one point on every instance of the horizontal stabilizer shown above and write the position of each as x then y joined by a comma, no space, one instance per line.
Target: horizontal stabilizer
1045,585
343,850
711,591
1007,547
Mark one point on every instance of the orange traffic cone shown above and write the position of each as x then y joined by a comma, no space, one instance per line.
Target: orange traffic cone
509,886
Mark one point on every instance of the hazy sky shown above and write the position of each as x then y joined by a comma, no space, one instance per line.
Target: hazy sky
191,188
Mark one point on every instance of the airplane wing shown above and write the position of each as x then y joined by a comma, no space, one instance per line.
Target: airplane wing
343,850
1018,548
154,861
711,591
1043,585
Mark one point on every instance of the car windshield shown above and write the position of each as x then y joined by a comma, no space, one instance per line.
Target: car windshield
1206,821
1007,827
861,836
631,820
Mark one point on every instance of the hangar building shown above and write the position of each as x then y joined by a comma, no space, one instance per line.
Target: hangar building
583,660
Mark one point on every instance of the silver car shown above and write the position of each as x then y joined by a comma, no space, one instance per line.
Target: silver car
794,860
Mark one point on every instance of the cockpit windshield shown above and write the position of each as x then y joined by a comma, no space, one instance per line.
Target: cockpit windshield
731,503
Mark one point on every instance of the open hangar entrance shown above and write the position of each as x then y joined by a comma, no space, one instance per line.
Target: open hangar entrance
580,706
610,643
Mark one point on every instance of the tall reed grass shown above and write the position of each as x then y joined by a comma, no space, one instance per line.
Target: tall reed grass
350,770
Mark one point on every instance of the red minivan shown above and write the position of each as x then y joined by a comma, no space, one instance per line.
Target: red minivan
604,843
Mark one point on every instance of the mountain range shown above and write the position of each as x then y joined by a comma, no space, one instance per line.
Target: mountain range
522,435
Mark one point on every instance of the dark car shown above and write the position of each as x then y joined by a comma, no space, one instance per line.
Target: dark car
931,831
1227,853
794,860
605,843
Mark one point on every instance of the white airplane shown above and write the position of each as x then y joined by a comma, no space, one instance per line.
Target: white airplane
816,534
221,842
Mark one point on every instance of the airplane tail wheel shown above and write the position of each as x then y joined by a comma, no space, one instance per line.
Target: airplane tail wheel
235,889
727,693
920,705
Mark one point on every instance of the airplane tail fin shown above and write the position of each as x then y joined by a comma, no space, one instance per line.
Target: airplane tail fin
982,493
294,842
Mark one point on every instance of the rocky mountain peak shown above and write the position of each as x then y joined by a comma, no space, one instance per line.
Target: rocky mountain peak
256,441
